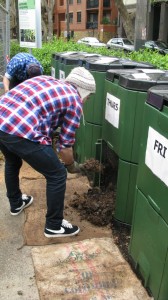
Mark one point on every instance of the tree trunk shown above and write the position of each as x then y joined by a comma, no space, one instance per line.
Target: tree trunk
48,6
44,29
126,19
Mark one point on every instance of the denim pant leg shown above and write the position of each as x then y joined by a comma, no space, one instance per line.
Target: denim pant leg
44,160
13,164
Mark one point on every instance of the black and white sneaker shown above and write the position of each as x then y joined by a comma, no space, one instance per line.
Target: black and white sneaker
27,200
66,229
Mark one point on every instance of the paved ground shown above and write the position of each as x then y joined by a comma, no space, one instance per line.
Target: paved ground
17,272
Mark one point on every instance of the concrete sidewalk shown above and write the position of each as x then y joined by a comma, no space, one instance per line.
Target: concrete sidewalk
17,278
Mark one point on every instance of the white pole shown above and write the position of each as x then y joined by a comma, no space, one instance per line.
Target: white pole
8,27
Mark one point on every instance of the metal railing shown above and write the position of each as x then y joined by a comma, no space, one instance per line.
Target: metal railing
92,3
4,40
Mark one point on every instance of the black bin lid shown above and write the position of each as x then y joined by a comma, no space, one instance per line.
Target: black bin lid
58,55
69,57
142,81
143,65
158,96
76,57
103,63
113,74
108,62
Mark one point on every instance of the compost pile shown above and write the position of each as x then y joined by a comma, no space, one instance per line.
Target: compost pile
98,204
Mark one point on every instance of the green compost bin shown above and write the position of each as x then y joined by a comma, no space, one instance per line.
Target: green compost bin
93,109
125,94
83,148
87,141
57,66
152,179
125,193
122,129
149,237
149,247
53,65
55,62
90,131
68,61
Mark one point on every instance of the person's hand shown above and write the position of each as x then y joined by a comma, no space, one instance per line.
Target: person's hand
6,84
66,155
73,168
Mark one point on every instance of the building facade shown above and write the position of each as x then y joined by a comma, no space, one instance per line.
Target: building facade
79,18
151,22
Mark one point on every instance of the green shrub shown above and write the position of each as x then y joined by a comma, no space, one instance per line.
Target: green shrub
44,54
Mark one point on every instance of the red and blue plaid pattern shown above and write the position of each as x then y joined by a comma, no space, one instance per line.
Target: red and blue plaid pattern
38,106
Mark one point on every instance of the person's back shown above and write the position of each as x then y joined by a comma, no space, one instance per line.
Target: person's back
45,104
21,67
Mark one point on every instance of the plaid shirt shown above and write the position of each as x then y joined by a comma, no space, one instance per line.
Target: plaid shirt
36,107
16,67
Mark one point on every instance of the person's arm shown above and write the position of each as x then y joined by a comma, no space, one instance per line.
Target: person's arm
6,83
71,122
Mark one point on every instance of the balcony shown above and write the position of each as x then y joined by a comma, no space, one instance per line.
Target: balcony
95,3
106,3
92,3
91,25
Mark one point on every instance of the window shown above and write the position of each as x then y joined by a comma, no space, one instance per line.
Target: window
61,2
70,1
71,18
78,1
79,16
114,41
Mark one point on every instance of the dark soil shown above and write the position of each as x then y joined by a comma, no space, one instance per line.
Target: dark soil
98,204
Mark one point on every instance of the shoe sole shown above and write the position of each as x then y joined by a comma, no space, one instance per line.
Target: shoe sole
16,214
61,234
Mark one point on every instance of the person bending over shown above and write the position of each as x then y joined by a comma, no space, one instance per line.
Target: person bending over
29,114
21,67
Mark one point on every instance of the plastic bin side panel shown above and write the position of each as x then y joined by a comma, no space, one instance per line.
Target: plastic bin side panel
152,177
53,66
140,103
118,124
80,143
92,134
148,245
109,132
93,107
127,122
164,286
125,197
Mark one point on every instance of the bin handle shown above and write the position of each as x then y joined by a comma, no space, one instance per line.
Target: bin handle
153,204
110,145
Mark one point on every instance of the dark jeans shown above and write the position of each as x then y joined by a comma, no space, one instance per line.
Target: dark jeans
44,160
